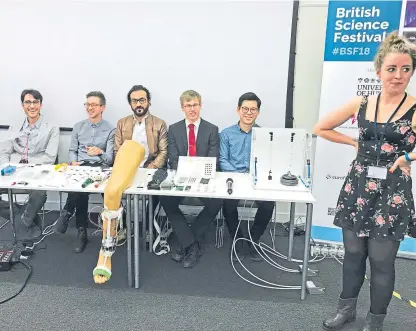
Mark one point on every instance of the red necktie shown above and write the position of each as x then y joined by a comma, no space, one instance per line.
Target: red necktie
191,140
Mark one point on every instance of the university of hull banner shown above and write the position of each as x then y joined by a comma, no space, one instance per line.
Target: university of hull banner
354,32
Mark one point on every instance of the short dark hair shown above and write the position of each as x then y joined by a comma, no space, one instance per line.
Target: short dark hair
249,96
97,94
138,88
34,93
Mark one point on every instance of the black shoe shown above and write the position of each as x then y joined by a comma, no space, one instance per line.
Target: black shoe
27,234
373,322
179,253
62,222
346,313
253,255
193,252
81,241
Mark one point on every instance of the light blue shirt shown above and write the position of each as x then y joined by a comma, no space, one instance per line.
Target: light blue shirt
235,149
86,133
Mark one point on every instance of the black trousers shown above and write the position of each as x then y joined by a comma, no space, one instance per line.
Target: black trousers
78,202
382,255
187,235
261,220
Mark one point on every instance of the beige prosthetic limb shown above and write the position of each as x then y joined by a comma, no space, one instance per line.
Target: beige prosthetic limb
127,161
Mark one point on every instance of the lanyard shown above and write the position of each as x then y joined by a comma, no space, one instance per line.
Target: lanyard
380,141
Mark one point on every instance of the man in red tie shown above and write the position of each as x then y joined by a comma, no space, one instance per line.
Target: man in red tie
192,136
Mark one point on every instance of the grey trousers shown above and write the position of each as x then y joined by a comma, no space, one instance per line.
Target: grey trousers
34,205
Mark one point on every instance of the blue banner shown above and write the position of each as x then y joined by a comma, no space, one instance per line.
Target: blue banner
356,28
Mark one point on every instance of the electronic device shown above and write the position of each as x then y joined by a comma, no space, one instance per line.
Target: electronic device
288,179
6,257
196,166
159,176
230,185
87,182
278,158
7,171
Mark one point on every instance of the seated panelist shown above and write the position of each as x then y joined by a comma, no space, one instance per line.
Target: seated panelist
37,144
148,130
92,144
235,148
145,128
191,136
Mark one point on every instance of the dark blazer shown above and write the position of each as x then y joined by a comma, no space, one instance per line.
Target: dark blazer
207,142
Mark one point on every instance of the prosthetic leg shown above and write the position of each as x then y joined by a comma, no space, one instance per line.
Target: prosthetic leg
127,161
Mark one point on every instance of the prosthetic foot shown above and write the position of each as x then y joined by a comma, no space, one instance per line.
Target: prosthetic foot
127,161
111,220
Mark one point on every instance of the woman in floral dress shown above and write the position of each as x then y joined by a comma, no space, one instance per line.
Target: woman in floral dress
375,207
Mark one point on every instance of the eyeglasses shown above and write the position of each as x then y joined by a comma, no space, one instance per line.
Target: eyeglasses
34,102
92,105
189,107
141,101
252,110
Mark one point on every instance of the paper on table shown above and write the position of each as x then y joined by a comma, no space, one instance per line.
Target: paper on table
6,136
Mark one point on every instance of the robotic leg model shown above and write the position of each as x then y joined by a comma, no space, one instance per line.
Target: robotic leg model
128,159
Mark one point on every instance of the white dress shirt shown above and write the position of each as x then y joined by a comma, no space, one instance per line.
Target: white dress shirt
140,136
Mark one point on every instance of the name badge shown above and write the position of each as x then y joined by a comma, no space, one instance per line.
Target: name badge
377,172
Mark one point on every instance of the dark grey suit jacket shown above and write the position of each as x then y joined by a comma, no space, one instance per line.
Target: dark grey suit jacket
207,142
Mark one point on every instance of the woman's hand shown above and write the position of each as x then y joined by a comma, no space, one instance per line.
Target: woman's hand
401,163
355,145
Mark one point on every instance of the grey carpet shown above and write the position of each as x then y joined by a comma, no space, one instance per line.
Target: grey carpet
61,294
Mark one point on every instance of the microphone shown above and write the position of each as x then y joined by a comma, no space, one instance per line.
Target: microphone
229,185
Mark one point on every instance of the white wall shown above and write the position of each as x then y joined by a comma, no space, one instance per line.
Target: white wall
221,49
309,62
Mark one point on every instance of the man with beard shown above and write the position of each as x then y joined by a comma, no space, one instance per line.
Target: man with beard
148,130
144,128
37,143
92,144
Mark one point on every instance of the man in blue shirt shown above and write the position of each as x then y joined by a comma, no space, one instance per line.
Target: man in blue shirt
235,147
92,144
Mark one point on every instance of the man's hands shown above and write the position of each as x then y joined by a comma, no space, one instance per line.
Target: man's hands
94,151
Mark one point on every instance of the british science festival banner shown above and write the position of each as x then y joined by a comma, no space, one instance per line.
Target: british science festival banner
353,35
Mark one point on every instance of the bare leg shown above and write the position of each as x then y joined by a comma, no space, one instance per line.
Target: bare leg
127,161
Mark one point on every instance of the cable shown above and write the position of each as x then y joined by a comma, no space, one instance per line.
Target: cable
397,295
262,249
269,285
24,284
163,234
3,225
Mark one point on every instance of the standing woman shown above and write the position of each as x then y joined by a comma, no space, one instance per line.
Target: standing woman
375,207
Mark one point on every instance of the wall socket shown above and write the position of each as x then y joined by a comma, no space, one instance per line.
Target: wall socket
327,250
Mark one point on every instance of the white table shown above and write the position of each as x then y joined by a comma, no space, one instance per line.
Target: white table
56,181
242,190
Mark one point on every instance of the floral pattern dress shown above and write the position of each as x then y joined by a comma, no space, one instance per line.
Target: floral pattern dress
381,209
